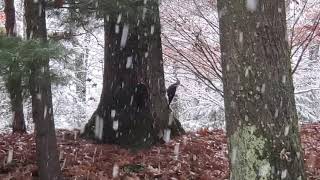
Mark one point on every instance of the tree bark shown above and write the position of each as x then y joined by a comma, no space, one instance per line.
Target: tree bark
133,110
81,75
14,84
40,89
261,117
10,17
14,87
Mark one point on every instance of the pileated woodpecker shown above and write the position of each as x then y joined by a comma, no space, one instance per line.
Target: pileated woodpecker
171,91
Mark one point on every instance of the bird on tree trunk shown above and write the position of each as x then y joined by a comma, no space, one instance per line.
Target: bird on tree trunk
171,91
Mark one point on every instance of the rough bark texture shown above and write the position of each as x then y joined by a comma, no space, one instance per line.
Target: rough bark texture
10,17
261,118
14,87
133,106
40,89
14,84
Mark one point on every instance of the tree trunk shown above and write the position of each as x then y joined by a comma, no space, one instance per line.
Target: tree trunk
81,75
81,85
14,84
40,89
261,117
133,110
10,17
14,87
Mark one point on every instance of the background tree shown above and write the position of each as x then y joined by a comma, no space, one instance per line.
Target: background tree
75,33
10,17
253,35
304,41
133,110
14,78
40,90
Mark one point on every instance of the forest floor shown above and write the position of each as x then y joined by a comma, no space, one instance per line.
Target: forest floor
197,155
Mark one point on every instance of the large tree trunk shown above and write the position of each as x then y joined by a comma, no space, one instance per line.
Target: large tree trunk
14,84
261,117
133,110
40,89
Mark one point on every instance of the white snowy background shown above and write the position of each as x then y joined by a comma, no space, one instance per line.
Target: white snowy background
185,23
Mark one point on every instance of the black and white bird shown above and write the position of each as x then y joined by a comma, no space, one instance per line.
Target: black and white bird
171,91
